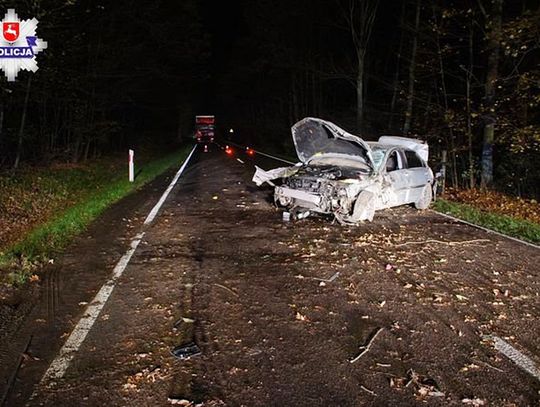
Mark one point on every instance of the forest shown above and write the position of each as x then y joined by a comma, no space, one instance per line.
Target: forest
462,75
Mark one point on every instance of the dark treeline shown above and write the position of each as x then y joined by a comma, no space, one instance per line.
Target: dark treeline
115,74
464,75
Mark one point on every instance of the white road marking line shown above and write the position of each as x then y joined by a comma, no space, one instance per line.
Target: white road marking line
59,365
523,361
156,208
240,161
486,229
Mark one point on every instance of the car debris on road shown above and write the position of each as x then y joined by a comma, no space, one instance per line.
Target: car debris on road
341,174
186,351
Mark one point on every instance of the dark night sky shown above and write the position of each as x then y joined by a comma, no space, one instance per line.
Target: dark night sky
223,21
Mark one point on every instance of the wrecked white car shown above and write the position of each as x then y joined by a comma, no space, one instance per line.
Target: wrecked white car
342,175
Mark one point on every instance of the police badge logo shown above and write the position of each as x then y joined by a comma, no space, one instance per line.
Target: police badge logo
19,45
10,31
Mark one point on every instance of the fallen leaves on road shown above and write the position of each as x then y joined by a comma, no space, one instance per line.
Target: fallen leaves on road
301,317
476,402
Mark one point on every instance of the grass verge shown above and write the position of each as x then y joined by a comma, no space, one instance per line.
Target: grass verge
40,243
519,228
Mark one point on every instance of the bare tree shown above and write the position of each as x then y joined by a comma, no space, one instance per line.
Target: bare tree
395,85
23,123
412,68
359,16
493,23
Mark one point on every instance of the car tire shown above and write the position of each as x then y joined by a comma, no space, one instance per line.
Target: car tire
425,199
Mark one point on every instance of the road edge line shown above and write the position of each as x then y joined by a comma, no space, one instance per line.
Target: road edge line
61,362
519,358
151,216
485,229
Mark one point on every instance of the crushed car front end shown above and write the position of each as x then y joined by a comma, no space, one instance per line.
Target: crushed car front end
323,189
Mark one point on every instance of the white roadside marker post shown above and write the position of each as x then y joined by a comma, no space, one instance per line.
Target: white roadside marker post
131,167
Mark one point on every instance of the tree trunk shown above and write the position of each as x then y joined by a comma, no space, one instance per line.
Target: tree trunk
412,68
23,122
360,16
469,112
494,22
1,119
360,96
395,89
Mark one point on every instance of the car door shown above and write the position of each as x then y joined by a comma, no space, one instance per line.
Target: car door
417,175
395,182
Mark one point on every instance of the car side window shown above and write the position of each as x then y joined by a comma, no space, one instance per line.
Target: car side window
413,161
392,162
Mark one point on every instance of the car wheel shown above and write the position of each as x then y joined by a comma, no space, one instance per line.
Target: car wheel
425,198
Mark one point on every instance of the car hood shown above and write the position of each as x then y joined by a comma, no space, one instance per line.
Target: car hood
314,137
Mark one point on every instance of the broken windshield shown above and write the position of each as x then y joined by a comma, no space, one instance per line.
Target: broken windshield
377,154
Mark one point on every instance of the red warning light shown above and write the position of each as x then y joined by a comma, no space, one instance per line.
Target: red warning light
250,151
228,150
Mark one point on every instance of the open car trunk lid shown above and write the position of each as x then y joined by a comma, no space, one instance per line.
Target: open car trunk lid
315,137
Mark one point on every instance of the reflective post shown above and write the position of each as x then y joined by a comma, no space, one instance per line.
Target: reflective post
131,166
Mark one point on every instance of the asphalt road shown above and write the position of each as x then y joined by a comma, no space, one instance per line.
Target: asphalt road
280,309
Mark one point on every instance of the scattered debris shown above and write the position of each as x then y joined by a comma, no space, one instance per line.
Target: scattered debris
470,366
490,366
422,385
184,320
226,288
129,386
474,402
186,351
368,391
327,280
301,317
364,349
180,402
